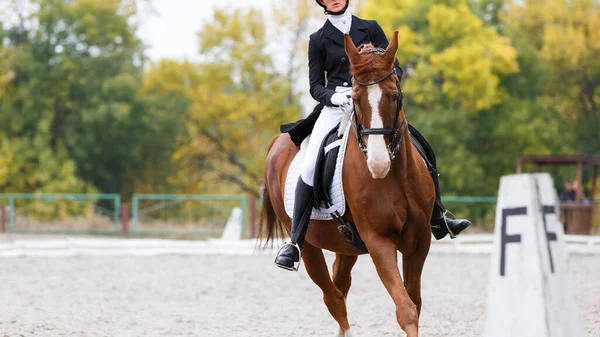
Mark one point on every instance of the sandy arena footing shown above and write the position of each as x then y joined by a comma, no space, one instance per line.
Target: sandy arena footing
218,296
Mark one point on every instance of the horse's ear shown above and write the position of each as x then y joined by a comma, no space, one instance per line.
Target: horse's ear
350,48
390,52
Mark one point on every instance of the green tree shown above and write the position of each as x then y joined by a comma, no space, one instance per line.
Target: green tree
77,90
6,61
238,105
28,161
292,19
454,65
481,82
167,95
565,38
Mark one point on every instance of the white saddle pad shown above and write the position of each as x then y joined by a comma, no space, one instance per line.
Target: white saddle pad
336,191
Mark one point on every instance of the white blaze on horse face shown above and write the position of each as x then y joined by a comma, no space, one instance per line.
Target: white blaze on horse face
378,159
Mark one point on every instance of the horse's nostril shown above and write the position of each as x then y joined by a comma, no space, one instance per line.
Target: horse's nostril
379,168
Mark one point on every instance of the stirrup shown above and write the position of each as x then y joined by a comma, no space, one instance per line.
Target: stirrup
295,267
452,236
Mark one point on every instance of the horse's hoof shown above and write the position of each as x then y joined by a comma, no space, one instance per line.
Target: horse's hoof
342,334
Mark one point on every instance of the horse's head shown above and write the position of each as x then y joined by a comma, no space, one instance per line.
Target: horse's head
376,102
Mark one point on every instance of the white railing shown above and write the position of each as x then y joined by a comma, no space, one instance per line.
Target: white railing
77,246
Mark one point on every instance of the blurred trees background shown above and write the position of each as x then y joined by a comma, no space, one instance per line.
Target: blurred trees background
83,110
489,80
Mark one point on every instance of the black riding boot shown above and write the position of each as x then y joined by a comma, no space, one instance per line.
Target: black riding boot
289,254
440,225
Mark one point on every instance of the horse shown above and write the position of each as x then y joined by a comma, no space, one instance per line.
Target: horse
389,193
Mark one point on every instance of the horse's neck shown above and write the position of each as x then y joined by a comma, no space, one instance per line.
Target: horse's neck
404,164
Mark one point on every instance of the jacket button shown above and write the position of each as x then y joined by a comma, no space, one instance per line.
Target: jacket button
345,84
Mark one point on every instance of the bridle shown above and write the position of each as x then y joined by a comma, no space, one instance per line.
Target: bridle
361,132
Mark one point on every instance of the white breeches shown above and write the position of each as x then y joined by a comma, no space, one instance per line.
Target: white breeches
330,116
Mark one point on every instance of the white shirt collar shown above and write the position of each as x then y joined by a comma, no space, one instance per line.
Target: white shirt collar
342,22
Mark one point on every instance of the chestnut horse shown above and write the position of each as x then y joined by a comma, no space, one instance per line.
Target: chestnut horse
389,193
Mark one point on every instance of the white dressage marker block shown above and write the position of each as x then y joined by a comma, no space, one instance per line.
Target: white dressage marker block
233,228
529,290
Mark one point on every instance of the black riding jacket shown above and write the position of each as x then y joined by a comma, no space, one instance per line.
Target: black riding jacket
326,54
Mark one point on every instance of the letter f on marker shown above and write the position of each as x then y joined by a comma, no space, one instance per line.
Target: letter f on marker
505,238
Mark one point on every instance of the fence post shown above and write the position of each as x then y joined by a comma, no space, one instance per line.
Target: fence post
252,217
2,219
134,213
125,219
11,213
117,211
244,215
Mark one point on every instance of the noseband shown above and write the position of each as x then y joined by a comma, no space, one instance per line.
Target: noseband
361,132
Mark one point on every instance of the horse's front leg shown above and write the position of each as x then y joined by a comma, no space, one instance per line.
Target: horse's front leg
316,267
412,267
385,257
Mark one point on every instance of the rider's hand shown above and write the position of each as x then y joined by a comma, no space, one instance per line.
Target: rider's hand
339,99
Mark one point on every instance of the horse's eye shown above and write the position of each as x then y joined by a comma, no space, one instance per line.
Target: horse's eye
395,97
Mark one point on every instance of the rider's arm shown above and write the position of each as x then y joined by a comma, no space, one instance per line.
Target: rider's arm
380,40
316,74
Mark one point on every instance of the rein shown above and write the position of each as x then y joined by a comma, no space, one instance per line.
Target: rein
360,132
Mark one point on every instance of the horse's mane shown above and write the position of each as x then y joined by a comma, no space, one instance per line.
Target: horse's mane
369,61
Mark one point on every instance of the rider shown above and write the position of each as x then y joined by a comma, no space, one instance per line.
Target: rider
326,54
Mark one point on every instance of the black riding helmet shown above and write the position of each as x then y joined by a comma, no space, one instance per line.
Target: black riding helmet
320,3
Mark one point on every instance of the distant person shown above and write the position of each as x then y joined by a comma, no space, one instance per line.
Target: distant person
584,199
569,194
581,194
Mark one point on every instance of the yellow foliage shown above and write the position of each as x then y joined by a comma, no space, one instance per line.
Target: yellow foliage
467,76
555,49
238,100
447,42
7,154
409,40
388,13
474,59
566,37
593,29
27,166
169,76
563,31
6,71
449,24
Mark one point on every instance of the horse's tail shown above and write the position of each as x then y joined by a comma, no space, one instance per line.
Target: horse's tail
270,227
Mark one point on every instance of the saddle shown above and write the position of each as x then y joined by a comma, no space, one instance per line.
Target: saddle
325,168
